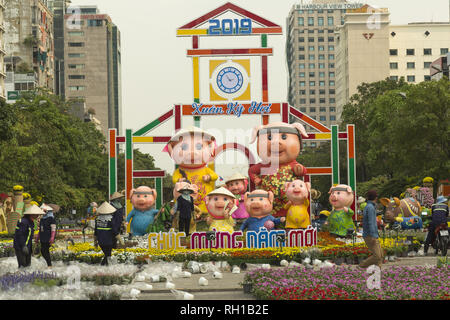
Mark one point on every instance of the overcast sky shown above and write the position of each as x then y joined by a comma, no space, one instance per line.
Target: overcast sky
157,74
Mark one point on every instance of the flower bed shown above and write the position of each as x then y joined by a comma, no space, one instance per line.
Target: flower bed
344,282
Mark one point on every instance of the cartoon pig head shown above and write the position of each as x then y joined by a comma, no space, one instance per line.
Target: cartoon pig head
258,203
143,198
191,148
237,184
219,202
341,196
297,191
278,143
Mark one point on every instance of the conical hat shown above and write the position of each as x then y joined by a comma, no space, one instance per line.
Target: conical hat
221,191
116,195
190,130
33,209
106,208
236,176
46,207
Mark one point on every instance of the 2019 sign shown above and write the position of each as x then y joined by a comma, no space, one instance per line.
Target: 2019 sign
230,27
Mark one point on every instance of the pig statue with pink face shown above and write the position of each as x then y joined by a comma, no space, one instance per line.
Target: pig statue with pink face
220,204
142,198
297,216
259,204
341,217
278,145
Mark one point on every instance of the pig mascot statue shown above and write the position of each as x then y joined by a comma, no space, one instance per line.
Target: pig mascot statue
192,149
220,204
278,145
237,184
297,216
259,206
142,215
341,217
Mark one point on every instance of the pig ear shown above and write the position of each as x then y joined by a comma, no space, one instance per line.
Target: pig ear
246,196
271,196
308,186
286,186
385,201
397,201
255,133
155,194
300,128
131,192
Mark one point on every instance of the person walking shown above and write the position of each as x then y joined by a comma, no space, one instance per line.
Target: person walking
23,236
439,214
106,229
47,232
370,232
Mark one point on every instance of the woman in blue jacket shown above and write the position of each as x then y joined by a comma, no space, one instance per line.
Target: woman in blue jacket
23,237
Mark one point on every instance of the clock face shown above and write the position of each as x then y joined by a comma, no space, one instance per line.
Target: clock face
230,80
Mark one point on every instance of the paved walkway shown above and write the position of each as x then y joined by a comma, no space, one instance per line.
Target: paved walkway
229,287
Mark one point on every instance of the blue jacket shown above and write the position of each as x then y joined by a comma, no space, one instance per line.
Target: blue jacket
24,234
254,224
439,213
369,223
141,220
106,228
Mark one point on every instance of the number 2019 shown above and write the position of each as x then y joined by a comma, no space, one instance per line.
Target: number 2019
230,26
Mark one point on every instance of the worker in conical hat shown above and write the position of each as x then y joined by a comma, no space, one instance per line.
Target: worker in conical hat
106,229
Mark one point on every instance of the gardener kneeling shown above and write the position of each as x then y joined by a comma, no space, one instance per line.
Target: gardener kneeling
106,229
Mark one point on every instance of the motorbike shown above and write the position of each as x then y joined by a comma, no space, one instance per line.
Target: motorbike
442,238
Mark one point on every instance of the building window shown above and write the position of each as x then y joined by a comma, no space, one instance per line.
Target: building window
332,109
330,39
331,56
95,23
303,92
311,57
322,83
321,57
303,109
332,118
301,74
301,48
410,52
321,65
302,83
427,65
303,101
322,118
301,21
331,21
410,65
312,74
76,55
312,66
322,100
444,51
312,83
312,100
76,88
320,39
76,44
310,21
301,39
411,78
321,74
426,78
301,57
330,48
331,74
312,109
427,52
312,92
76,66
322,91
332,91
76,33
393,65
331,83
301,66
332,100
76,77
393,52
393,78
320,21
310,39
323,109
331,65
321,48
311,48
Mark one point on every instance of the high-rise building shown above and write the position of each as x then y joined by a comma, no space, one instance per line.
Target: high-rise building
58,8
2,52
311,57
369,49
93,64
29,45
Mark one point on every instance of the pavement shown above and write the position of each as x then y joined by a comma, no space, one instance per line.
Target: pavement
230,288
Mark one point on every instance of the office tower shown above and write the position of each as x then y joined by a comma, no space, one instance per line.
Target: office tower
29,45
311,57
93,64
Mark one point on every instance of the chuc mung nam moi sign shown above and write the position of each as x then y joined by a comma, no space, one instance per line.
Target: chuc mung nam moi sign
225,240
328,6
